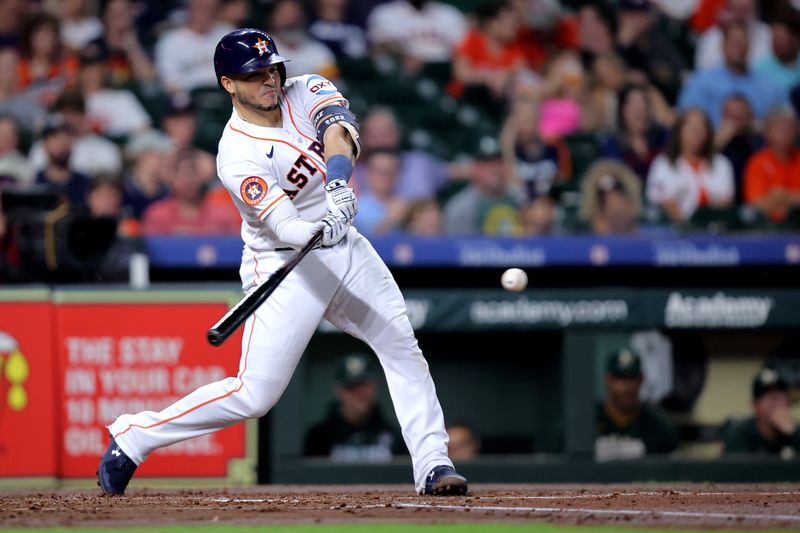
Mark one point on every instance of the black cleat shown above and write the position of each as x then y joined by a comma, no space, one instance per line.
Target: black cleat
443,480
115,470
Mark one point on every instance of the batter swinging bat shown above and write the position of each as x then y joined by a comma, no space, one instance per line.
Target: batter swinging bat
237,314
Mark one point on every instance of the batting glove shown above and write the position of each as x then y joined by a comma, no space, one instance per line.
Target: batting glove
334,228
341,199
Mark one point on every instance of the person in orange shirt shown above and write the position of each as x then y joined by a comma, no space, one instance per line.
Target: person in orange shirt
45,62
490,56
189,210
547,29
772,176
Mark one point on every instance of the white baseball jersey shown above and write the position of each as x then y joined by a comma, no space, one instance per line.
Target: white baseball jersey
262,167
348,284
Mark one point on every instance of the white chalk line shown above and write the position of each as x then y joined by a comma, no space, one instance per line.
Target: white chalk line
575,510
639,493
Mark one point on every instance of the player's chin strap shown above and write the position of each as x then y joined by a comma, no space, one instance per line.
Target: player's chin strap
337,114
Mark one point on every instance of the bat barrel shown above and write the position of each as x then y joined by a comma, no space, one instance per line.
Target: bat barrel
247,305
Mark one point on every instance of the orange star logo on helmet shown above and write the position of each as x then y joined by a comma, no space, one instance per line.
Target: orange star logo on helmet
261,46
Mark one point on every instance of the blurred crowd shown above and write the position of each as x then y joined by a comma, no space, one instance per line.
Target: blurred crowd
525,117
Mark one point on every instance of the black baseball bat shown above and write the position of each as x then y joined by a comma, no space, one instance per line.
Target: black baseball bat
245,307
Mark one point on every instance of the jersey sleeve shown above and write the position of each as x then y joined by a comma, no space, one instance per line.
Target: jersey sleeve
253,189
316,92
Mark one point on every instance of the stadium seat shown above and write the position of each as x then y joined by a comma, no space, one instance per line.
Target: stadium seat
715,220
792,220
583,151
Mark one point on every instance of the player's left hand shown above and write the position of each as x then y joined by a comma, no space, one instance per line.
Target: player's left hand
341,199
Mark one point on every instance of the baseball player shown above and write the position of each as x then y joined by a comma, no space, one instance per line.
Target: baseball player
285,157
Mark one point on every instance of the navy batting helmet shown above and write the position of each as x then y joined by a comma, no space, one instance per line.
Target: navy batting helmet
244,51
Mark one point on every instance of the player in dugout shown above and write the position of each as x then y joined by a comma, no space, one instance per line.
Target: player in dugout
771,429
355,429
627,427
286,156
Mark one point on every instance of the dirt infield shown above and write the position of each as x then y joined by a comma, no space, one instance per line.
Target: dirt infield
695,506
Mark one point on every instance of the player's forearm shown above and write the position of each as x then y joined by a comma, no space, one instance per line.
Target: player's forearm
338,142
285,222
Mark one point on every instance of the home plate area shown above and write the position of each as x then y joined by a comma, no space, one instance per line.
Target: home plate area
695,506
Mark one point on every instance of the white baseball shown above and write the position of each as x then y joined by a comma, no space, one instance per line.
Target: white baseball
514,279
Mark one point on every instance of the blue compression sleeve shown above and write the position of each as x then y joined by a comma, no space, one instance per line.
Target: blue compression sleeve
339,168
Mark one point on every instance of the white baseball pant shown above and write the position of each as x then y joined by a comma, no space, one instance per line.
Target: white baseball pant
350,286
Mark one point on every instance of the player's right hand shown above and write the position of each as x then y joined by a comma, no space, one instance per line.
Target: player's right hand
334,227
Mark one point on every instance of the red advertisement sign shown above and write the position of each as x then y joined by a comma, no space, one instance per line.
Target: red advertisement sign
27,390
126,358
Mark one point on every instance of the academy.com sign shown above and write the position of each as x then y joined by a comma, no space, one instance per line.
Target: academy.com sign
717,311
561,312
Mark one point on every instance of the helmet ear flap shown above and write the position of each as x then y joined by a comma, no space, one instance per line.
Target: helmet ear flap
282,72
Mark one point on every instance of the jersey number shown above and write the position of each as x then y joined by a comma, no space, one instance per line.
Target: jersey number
296,177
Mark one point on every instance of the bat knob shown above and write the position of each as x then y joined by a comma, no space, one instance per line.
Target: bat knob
215,338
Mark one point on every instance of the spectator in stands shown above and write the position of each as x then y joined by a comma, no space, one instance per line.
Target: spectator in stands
638,138
627,428
772,176
782,65
424,218
45,65
490,61
79,26
416,31
286,23
648,49
464,444
772,429
704,14
126,58
421,174
354,429
611,199
235,13
709,88
57,176
104,198
180,124
532,165
112,112
690,174
546,30
565,99
104,203
710,50
91,153
681,10
15,169
379,209
187,210
737,138
331,26
12,15
597,30
184,54
608,77
144,184
484,206
538,214
26,107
